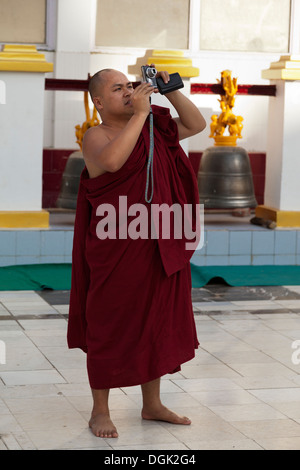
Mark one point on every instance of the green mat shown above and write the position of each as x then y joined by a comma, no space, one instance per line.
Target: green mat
58,276
36,277
247,275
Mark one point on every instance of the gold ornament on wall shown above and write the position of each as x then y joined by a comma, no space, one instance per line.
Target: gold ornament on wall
226,119
91,121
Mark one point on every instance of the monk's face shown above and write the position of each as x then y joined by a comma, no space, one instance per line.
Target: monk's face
114,94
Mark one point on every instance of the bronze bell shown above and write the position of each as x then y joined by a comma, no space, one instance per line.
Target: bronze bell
67,198
225,178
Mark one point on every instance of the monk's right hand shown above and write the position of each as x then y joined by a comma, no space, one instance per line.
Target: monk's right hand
140,98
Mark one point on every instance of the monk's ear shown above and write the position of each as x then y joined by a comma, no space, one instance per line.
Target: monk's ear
97,102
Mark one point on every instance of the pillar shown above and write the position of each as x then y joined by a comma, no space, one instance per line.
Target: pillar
22,85
75,26
282,188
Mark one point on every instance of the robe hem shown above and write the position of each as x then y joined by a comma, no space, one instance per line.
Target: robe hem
157,375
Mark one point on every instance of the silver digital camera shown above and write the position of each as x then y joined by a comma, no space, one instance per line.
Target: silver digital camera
149,74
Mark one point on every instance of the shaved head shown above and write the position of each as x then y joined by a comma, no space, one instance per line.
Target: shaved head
110,91
97,81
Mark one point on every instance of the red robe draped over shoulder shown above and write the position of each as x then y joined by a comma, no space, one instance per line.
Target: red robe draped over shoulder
130,302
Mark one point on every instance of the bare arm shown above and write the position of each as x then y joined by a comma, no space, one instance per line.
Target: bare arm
105,154
110,155
190,120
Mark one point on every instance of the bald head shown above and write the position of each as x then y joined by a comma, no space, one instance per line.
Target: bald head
97,81
110,90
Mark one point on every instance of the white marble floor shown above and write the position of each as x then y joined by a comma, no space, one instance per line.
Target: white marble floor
242,390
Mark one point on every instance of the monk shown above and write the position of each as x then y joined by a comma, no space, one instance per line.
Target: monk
130,303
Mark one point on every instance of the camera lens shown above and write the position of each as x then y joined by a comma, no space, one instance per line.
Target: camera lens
151,72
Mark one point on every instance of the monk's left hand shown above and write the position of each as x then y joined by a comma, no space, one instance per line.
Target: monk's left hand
164,75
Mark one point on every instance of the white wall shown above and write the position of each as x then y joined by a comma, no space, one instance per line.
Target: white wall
65,110
254,109
21,121
75,56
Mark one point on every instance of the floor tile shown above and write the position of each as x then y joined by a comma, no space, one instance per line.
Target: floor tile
210,370
224,397
213,428
26,359
194,385
143,434
176,446
68,439
51,422
282,395
283,443
246,412
290,409
31,377
263,382
10,442
52,404
268,429
241,390
223,444
269,369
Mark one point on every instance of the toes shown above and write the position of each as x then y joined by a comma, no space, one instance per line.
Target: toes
108,434
187,420
102,426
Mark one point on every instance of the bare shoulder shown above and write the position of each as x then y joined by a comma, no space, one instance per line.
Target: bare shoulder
95,135
94,140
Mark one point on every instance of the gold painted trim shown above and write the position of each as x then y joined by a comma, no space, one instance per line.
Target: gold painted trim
167,53
24,219
287,68
282,218
173,61
225,140
23,58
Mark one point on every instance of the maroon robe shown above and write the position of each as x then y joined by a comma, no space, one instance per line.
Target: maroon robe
130,303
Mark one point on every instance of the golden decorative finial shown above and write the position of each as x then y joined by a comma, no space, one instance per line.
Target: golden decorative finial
226,118
90,121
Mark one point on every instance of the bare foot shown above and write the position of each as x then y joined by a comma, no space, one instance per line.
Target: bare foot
164,414
102,426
